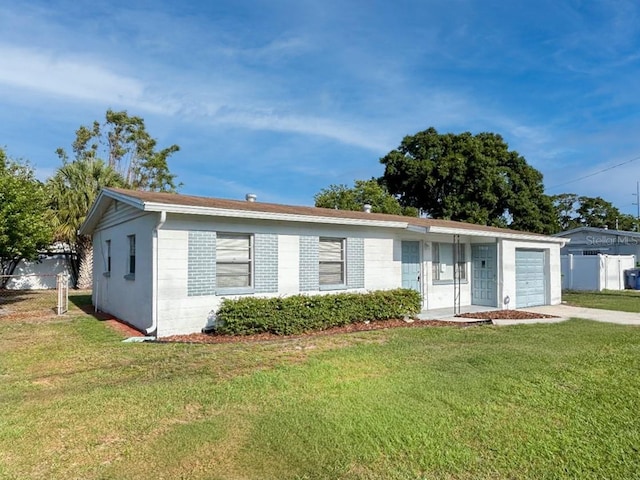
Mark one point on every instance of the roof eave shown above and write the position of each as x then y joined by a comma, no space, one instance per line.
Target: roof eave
495,234
259,215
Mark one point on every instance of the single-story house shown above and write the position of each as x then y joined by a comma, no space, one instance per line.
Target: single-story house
594,241
163,262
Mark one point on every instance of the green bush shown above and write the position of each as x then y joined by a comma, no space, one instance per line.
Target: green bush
304,313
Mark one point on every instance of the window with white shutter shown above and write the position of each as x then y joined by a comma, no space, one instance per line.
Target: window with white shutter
234,258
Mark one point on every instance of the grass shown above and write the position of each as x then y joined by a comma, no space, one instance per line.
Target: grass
619,300
535,401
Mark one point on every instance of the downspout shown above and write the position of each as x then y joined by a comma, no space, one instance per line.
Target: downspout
152,330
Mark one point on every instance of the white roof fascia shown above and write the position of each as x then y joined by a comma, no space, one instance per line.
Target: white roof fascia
603,231
415,228
487,233
256,215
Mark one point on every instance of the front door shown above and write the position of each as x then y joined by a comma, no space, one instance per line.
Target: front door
411,265
483,275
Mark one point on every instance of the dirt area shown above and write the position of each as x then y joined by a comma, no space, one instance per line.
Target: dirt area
354,327
505,315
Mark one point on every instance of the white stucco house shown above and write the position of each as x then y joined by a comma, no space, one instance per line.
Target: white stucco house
163,262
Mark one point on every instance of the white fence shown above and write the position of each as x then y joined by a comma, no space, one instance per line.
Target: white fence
595,272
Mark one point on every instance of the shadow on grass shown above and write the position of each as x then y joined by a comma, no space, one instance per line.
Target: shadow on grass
81,299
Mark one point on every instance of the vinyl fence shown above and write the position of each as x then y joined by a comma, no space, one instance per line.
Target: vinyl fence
595,272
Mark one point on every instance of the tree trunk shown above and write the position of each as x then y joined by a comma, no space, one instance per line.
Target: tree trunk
84,250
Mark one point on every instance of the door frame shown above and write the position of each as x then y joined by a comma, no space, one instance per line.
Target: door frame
421,282
493,246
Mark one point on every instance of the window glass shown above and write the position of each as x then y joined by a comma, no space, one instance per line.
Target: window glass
132,254
331,258
443,260
233,260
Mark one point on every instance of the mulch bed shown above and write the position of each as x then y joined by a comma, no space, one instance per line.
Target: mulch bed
505,315
351,328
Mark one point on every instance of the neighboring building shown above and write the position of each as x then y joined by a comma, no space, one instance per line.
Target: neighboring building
41,274
163,262
594,241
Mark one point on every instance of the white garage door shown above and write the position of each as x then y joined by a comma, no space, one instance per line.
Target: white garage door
530,278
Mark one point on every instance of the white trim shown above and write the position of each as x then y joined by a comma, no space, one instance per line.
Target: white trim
494,234
252,214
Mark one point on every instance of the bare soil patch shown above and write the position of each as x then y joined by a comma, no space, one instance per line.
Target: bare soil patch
354,327
505,315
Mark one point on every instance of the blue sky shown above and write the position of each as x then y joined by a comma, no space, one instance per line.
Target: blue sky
285,97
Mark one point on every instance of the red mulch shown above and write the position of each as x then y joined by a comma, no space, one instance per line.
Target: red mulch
505,315
112,321
353,327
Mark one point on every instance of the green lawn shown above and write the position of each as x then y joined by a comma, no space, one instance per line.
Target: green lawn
620,300
533,401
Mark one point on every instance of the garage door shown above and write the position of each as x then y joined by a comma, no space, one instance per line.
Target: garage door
530,278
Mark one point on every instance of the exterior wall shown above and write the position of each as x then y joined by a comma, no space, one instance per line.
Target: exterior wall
507,271
602,241
129,299
442,294
288,266
285,263
39,274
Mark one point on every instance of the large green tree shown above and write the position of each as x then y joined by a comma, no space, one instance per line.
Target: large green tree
72,191
363,192
470,178
25,220
575,211
123,143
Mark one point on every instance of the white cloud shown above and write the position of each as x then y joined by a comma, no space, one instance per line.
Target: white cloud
70,77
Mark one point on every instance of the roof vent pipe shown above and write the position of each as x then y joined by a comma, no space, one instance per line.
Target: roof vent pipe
366,208
250,197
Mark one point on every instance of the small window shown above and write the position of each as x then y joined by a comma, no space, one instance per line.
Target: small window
234,258
443,259
132,254
332,261
108,242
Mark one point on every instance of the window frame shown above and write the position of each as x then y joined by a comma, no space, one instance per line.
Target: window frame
250,262
342,262
107,273
460,259
131,258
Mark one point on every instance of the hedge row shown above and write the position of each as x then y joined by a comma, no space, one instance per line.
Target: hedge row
303,313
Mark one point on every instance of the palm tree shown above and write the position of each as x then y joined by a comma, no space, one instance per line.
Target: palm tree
73,189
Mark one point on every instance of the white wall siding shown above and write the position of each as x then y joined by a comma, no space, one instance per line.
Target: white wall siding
383,269
288,264
118,213
127,299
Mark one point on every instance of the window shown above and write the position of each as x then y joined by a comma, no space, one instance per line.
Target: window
108,242
132,255
443,259
234,258
331,257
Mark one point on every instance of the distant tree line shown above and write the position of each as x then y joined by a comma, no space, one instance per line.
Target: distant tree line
471,178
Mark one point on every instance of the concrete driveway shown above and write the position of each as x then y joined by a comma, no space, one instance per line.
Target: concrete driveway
566,311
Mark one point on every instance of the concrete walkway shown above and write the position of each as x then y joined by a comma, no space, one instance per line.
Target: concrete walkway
562,312
609,316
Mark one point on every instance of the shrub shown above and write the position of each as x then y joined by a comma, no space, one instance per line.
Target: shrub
303,313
